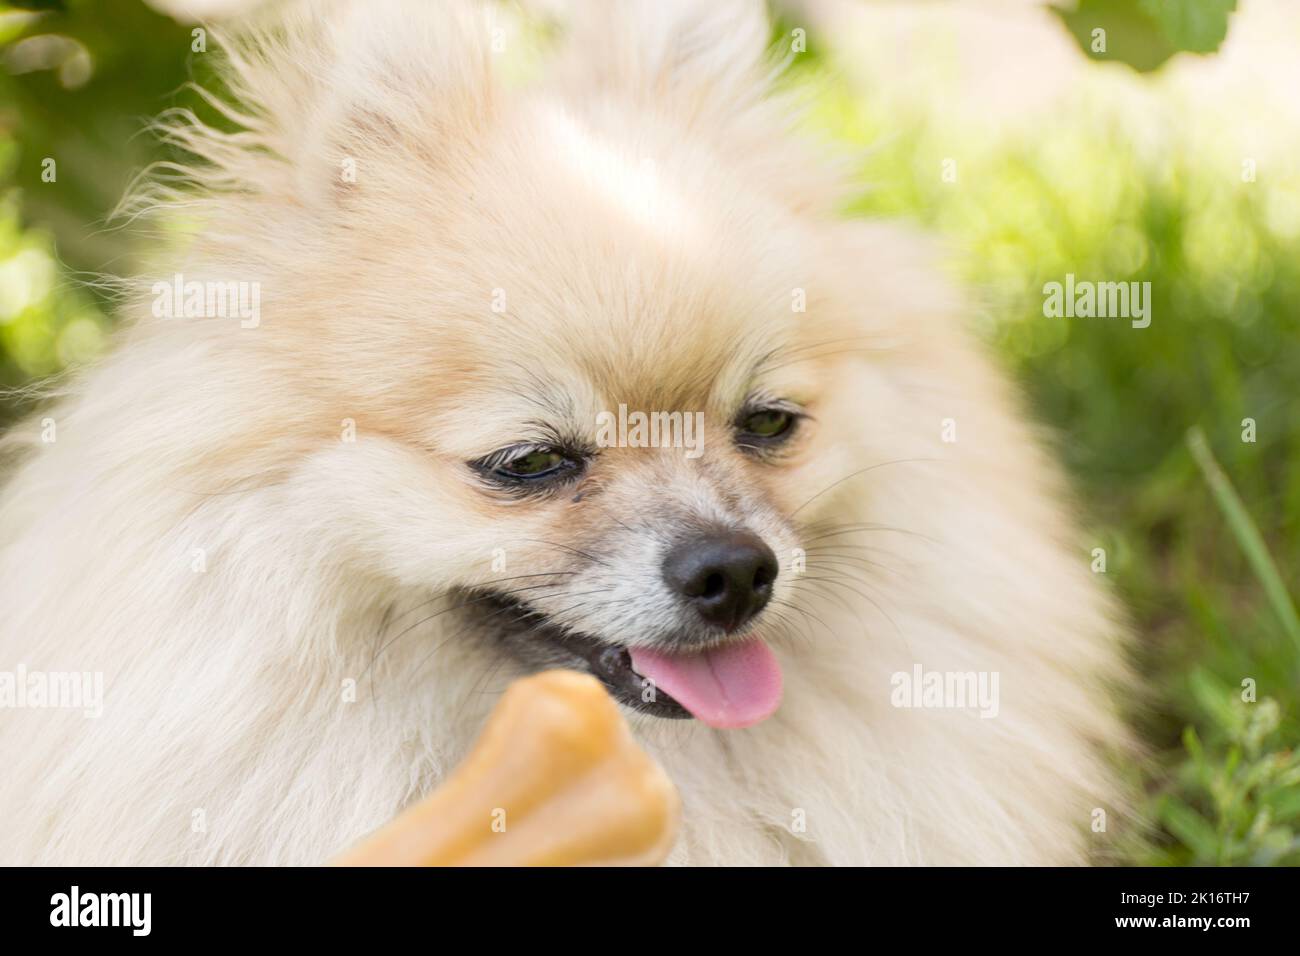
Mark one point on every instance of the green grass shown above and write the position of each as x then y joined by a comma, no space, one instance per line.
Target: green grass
1237,801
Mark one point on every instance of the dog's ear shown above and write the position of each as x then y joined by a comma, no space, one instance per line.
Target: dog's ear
701,60
411,80
343,91
707,65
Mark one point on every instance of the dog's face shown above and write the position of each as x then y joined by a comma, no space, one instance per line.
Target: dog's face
624,390
629,366
625,402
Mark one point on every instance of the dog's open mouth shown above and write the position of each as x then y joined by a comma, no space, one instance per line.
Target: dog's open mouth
732,685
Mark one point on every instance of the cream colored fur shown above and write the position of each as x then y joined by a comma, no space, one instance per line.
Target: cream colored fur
648,216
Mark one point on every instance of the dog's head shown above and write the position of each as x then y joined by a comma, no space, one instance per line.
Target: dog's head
601,341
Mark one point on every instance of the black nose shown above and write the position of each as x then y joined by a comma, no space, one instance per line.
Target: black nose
726,576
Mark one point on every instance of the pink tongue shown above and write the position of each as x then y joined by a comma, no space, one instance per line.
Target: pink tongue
734,685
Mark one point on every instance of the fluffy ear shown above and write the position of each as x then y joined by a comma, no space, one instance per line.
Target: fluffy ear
342,90
693,56
707,65
409,74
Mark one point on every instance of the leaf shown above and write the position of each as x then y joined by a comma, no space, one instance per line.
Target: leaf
1190,827
1198,26
1147,33
1131,35
1215,699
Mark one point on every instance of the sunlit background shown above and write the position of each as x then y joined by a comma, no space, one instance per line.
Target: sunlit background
1171,157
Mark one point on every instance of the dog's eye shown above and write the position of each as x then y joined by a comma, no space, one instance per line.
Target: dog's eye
767,423
528,463
764,428
533,464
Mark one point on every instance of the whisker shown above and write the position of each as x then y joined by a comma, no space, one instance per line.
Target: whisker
851,561
564,547
477,600
838,581
858,473
486,584
838,530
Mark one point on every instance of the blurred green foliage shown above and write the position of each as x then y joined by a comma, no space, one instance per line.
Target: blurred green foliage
77,86
1077,196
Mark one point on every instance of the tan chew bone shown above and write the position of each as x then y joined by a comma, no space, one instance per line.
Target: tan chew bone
555,779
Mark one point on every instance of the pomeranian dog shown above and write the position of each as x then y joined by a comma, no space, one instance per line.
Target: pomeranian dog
489,372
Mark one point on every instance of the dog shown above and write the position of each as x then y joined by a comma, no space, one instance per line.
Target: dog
430,426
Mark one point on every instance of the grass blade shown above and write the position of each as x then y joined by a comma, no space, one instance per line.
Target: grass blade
1246,533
